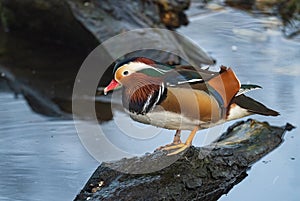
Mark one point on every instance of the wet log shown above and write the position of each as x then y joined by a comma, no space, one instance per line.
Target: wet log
44,43
201,173
83,25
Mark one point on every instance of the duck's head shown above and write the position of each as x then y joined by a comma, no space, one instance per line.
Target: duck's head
126,69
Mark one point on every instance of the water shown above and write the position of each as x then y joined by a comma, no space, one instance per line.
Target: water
42,158
262,56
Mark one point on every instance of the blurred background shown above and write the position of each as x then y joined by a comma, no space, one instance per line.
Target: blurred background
43,44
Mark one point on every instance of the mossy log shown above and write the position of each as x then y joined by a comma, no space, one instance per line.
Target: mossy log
201,173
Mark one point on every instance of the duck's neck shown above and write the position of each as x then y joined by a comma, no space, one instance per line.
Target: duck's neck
142,93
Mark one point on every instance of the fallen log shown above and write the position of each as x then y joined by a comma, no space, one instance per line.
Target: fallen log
46,37
201,173
83,25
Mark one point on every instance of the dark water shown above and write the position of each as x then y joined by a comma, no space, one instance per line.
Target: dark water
42,158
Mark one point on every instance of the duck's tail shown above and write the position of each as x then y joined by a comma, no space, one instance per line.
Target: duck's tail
242,106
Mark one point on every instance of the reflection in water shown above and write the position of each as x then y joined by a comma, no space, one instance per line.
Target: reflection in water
41,158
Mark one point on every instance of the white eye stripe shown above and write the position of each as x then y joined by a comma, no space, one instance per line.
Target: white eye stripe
137,66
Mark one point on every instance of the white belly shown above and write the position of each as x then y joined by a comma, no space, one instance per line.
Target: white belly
169,120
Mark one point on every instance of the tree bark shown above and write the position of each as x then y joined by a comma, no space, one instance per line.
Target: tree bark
201,173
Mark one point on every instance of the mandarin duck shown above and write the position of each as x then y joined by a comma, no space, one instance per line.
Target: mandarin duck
182,97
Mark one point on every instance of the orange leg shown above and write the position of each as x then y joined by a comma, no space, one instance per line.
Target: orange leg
176,140
182,146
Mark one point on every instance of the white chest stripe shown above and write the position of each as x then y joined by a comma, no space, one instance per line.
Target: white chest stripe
160,92
147,103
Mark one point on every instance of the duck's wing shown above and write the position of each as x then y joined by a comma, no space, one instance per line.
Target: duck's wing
223,84
226,84
188,76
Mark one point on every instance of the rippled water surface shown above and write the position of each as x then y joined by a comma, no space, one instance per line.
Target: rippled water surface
41,158
259,54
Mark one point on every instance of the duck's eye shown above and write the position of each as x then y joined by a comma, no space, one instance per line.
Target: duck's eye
125,72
